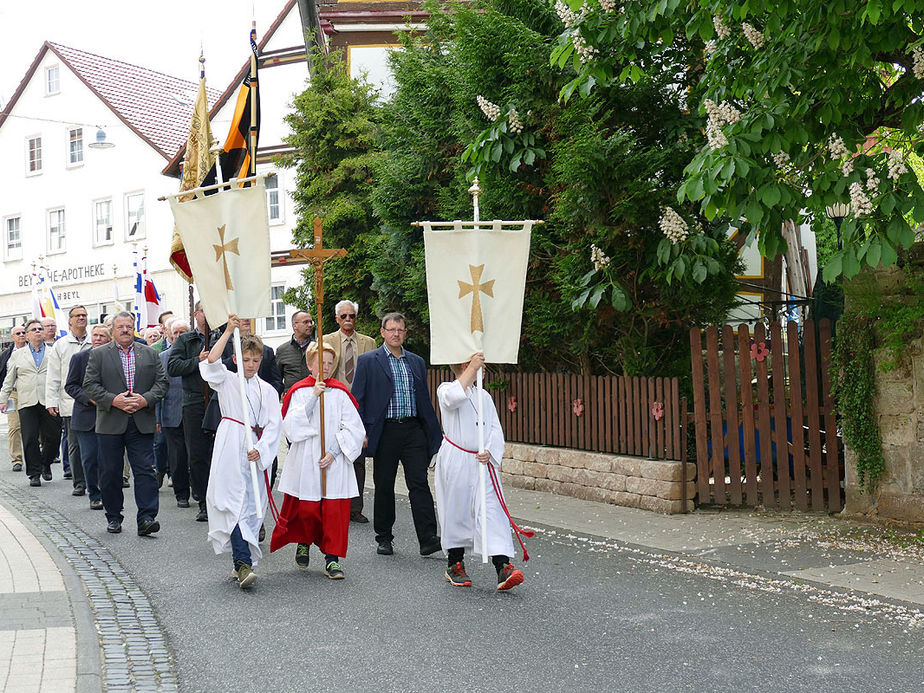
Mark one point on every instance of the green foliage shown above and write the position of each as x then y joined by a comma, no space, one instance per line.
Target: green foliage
334,126
801,102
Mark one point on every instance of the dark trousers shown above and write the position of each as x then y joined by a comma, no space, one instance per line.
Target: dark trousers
41,436
359,466
63,450
161,456
198,449
179,462
140,449
73,453
90,461
405,442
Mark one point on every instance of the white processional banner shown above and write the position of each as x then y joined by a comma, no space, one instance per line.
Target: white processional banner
475,283
226,237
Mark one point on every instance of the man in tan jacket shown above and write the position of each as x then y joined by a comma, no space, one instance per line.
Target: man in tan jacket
349,344
18,333
26,372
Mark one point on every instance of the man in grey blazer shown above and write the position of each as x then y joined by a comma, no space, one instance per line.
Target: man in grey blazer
126,380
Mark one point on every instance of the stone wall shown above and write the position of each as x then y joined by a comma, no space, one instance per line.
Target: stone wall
633,482
899,405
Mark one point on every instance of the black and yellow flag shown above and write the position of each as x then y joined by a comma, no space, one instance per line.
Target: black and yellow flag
237,156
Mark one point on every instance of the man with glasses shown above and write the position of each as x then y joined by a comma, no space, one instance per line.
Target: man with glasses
26,373
12,416
394,403
348,344
57,401
290,357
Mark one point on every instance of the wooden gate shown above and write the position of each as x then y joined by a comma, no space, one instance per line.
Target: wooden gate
764,417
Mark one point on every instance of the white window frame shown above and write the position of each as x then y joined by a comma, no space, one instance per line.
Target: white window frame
278,310
274,198
97,241
141,232
10,253
30,171
52,88
71,162
51,248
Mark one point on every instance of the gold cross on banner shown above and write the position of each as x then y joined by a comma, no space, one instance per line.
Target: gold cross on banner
222,250
475,289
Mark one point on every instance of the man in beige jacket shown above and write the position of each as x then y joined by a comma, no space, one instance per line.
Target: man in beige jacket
57,401
26,373
349,344
18,333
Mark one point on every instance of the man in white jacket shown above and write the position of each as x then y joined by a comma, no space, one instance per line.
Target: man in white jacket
57,401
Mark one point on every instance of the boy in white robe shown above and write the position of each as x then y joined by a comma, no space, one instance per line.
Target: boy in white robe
233,519
310,515
458,498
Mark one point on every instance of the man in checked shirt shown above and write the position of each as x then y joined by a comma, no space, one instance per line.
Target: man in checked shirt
390,387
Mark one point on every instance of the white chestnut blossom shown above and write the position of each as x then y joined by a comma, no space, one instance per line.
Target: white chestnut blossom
859,202
491,110
584,50
836,148
721,30
754,37
608,5
780,158
872,181
896,165
917,55
598,258
719,116
710,47
513,119
673,226
568,16
847,167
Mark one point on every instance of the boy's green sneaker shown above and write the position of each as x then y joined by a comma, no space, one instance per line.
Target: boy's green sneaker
334,571
245,576
301,556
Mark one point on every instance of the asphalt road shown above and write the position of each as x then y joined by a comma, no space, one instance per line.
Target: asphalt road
608,620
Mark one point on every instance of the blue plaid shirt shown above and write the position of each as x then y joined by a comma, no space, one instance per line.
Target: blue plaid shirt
402,402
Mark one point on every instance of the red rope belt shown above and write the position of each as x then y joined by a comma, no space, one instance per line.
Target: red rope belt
500,497
269,491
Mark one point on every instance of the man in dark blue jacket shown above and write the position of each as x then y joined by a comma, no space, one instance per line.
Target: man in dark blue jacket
390,387
83,419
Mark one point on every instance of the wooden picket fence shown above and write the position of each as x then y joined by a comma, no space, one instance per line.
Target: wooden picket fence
614,414
764,417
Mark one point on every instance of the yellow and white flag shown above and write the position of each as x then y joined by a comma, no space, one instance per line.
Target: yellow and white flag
476,280
226,237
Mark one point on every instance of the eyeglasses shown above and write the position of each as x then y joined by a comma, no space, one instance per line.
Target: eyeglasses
36,329
79,315
351,316
394,330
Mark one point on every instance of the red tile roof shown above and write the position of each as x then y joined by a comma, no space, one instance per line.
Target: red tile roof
157,107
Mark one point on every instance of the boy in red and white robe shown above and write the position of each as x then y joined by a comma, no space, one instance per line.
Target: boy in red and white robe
308,516
458,496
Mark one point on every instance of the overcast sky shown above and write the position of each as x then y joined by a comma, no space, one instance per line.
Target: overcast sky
164,35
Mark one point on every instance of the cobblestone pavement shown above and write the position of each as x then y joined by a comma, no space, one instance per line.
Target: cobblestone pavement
84,625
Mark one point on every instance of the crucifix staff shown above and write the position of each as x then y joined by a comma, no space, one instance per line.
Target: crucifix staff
317,257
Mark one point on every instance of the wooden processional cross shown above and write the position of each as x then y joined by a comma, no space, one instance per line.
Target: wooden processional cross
317,257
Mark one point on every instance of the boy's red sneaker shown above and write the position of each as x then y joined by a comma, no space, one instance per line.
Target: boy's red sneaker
508,577
457,576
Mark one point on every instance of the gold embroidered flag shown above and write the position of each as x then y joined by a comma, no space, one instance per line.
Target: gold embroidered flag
476,280
226,237
197,162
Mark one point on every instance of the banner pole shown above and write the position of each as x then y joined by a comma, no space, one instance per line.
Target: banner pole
245,406
482,472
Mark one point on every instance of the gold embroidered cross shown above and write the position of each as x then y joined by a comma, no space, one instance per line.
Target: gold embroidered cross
222,250
475,289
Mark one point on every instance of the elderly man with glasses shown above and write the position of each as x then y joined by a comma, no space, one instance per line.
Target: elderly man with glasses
290,356
18,334
57,401
26,372
348,344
